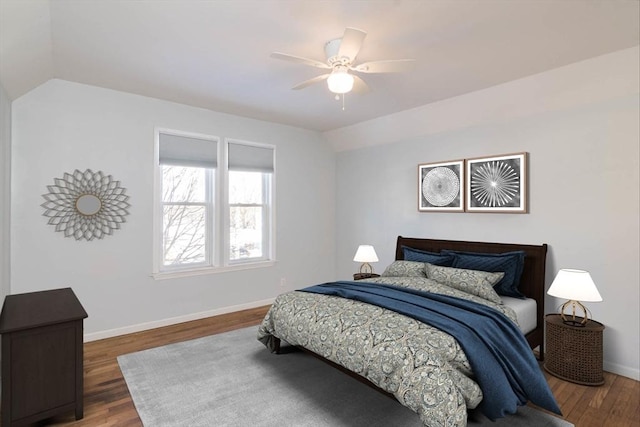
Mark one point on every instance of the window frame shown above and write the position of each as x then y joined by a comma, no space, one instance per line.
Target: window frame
268,213
210,229
266,206
218,247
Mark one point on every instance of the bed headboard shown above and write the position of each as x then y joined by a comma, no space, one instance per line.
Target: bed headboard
532,280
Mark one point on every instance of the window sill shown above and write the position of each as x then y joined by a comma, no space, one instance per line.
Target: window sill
211,270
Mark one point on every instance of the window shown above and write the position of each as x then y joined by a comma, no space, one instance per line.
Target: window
202,225
186,215
246,211
250,171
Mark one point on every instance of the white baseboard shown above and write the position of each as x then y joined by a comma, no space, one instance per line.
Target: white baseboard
94,336
625,371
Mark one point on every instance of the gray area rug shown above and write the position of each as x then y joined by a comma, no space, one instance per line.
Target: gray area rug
231,379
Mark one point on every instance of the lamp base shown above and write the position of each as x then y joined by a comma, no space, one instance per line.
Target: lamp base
366,268
573,320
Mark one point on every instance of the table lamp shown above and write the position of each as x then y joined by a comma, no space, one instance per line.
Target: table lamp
576,286
366,254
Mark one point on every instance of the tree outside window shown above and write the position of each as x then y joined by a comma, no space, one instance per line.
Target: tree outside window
246,214
184,218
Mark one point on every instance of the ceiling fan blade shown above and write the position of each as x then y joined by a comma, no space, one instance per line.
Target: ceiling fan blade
386,66
359,85
311,81
351,43
299,59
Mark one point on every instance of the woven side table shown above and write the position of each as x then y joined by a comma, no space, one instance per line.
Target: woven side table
574,353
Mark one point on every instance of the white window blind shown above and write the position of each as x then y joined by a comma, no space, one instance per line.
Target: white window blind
250,158
179,150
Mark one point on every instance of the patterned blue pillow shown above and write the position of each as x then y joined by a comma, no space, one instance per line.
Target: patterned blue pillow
511,263
416,255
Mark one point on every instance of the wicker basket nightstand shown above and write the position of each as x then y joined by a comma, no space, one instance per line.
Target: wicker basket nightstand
574,353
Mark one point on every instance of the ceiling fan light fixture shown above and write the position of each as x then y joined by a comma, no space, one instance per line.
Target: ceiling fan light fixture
340,81
341,55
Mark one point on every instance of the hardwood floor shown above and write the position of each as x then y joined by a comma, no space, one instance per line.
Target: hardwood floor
106,397
107,401
616,403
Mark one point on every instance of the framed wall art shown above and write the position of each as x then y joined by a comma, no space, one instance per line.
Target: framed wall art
440,186
497,184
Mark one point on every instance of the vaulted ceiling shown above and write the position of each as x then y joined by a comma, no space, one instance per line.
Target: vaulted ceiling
215,54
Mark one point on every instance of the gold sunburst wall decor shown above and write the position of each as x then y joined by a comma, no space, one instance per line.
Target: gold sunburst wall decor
86,205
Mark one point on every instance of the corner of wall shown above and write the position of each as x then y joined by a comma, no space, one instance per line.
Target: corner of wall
5,192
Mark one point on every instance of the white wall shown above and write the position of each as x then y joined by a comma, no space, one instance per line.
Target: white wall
5,192
580,125
63,126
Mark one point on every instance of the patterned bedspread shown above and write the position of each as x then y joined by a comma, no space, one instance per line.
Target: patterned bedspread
423,367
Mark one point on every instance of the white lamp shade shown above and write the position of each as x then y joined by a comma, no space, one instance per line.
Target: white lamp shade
574,285
340,81
366,253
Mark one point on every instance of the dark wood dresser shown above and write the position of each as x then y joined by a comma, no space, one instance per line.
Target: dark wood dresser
42,356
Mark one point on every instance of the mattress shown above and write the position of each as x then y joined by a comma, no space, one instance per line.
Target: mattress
525,309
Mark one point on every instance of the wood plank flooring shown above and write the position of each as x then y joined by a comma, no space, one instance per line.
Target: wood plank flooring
107,401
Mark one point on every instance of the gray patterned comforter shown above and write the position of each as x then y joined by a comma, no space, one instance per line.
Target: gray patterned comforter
423,367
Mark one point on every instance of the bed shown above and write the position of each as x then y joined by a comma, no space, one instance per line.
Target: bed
532,283
425,368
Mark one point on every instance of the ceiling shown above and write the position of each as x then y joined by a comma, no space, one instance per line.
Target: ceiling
216,54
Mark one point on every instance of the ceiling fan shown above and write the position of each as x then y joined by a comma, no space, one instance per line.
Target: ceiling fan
341,55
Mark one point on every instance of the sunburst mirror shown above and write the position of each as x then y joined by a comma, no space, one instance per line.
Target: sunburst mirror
86,205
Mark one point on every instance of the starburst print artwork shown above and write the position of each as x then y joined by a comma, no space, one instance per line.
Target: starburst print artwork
497,184
86,205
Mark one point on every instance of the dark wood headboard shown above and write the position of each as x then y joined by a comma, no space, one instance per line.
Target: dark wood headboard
533,276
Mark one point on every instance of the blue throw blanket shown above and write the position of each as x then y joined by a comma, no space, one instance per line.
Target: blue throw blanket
498,353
